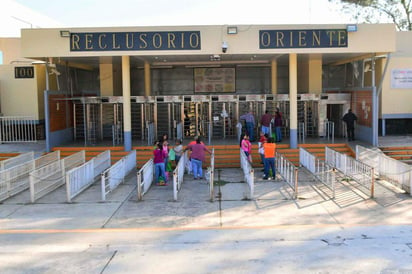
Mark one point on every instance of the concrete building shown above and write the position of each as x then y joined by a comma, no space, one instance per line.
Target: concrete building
102,81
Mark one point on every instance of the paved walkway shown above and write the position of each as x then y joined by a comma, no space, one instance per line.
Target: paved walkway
271,233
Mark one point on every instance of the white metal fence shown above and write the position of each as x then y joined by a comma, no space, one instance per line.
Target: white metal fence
16,160
16,178
81,177
354,169
178,174
16,129
115,175
248,172
144,179
387,168
210,176
49,177
322,171
288,171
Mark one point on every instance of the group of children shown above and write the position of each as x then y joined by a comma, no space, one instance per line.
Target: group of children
267,151
163,155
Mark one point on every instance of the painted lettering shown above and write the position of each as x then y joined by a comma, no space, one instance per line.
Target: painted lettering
194,40
142,38
342,38
315,38
129,42
265,39
279,39
75,42
88,41
114,43
101,44
171,40
302,39
157,41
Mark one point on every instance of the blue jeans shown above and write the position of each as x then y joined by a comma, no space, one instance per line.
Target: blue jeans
197,168
250,130
269,163
278,134
265,130
160,171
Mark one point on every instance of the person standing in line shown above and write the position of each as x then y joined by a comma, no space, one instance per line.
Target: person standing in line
178,149
349,118
262,140
250,124
265,122
269,161
197,157
278,125
159,156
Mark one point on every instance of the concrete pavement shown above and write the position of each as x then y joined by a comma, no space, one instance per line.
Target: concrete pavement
271,233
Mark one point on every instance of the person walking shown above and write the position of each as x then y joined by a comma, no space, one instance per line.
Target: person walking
250,124
278,125
197,157
349,118
159,156
269,160
265,122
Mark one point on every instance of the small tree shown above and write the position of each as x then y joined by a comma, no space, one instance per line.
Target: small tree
379,11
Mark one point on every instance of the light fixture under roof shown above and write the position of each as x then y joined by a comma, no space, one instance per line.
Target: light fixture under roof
232,30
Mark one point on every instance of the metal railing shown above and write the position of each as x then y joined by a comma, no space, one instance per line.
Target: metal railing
17,129
150,134
354,169
16,160
16,179
330,131
81,177
322,171
210,176
144,178
49,177
288,171
115,175
178,174
386,168
248,172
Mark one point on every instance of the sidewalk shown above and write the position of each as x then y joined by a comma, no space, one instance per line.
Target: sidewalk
271,233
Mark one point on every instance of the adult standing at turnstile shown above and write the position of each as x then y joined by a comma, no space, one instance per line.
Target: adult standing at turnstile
265,122
250,124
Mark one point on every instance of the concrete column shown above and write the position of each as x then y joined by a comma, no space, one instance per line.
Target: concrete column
293,100
147,81
127,123
315,74
106,79
274,74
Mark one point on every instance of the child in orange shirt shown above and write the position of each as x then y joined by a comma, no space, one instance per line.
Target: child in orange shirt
269,160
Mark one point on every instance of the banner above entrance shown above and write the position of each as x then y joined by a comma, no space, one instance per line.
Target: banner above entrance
316,38
119,41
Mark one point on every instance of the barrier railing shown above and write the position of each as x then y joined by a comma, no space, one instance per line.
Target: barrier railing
144,179
248,172
178,174
115,175
354,169
387,168
81,177
16,179
49,177
322,171
288,171
210,176
17,129
16,160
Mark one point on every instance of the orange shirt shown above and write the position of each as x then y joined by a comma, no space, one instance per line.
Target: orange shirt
270,150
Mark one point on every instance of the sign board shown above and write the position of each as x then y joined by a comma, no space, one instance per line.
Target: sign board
214,80
401,78
23,72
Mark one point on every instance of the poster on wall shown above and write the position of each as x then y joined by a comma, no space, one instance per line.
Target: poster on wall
214,80
401,78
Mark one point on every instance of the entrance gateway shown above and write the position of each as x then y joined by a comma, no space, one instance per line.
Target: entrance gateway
135,83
